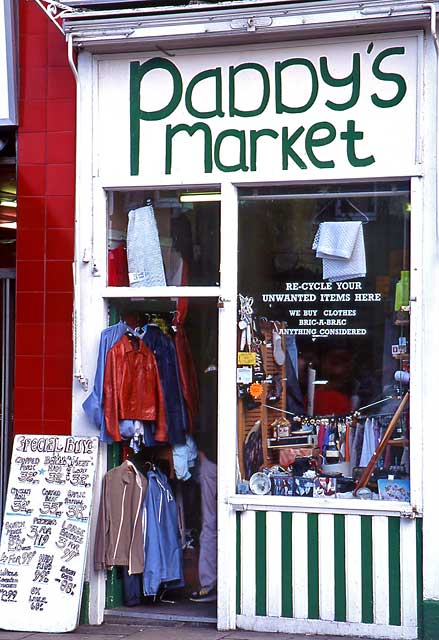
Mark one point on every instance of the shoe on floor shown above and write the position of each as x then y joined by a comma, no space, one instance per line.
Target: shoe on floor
204,595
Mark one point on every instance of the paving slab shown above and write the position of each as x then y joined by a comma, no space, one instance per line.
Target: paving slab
179,632
150,631
125,629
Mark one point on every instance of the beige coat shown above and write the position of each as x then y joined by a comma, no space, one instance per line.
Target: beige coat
119,534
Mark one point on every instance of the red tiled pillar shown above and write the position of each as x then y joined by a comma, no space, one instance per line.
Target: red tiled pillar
45,227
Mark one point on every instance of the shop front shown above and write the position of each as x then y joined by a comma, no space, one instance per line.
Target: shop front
264,204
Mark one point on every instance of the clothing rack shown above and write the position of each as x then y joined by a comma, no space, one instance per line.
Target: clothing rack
364,479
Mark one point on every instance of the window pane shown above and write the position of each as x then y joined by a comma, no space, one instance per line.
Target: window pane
163,238
323,333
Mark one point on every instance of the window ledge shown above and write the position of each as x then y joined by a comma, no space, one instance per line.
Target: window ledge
317,505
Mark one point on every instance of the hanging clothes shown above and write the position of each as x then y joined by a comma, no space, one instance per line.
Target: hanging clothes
185,457
188,374
164,351
341,246
132,388
118,267
163,554
119,533
93,405
145,262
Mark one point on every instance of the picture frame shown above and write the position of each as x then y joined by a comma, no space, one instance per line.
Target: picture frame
394,489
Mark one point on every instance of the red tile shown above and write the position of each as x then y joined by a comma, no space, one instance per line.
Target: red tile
61,212
59,307
58,427
33,115
61,115
61,180
29,307
59,275
30,244
28,403
61,147
29,339
58,372
58,337
31,212
31,180
30,275
26,427
32,18
29,371
58,55
33,83
61,83
60,244
33,50
57,403
31,148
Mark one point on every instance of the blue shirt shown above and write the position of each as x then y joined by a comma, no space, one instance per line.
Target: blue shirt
93,405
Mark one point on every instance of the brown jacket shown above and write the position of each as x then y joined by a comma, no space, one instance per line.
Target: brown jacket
132,388
119,535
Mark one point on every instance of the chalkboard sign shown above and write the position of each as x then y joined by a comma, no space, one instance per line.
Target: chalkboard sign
45,532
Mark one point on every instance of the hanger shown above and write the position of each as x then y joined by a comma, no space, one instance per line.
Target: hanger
355,208
338,211
133,338
148,202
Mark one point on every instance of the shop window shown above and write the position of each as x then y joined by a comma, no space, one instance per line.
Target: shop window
323,341
163,238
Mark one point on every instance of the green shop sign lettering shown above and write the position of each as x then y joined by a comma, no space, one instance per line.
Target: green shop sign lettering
320,134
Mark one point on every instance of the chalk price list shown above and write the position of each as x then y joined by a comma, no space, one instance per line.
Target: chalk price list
46,522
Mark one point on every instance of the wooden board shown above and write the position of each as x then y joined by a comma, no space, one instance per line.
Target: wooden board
45,532
247,418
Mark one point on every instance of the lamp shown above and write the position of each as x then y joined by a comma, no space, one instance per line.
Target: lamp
212,196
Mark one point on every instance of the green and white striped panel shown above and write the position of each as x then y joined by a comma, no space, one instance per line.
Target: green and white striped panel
341,574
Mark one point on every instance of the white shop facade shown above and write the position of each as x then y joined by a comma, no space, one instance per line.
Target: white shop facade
249,129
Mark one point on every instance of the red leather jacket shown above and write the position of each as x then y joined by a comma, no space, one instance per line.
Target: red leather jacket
132,388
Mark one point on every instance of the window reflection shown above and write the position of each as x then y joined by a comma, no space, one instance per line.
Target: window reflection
323,353
163,238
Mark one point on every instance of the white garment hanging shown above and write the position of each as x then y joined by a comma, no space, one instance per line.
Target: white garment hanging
145,262
341,246
368,448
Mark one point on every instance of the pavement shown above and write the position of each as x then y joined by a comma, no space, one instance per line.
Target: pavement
170,631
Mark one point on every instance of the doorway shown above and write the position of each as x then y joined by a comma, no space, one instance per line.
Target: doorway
182,252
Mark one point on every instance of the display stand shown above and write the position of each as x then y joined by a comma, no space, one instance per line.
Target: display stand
248,417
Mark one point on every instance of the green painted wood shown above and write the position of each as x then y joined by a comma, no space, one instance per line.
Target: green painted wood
287,565
340,567
114,590
366,570
313,566
85,604
419,577
430,615
394,542
261,563
238,563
